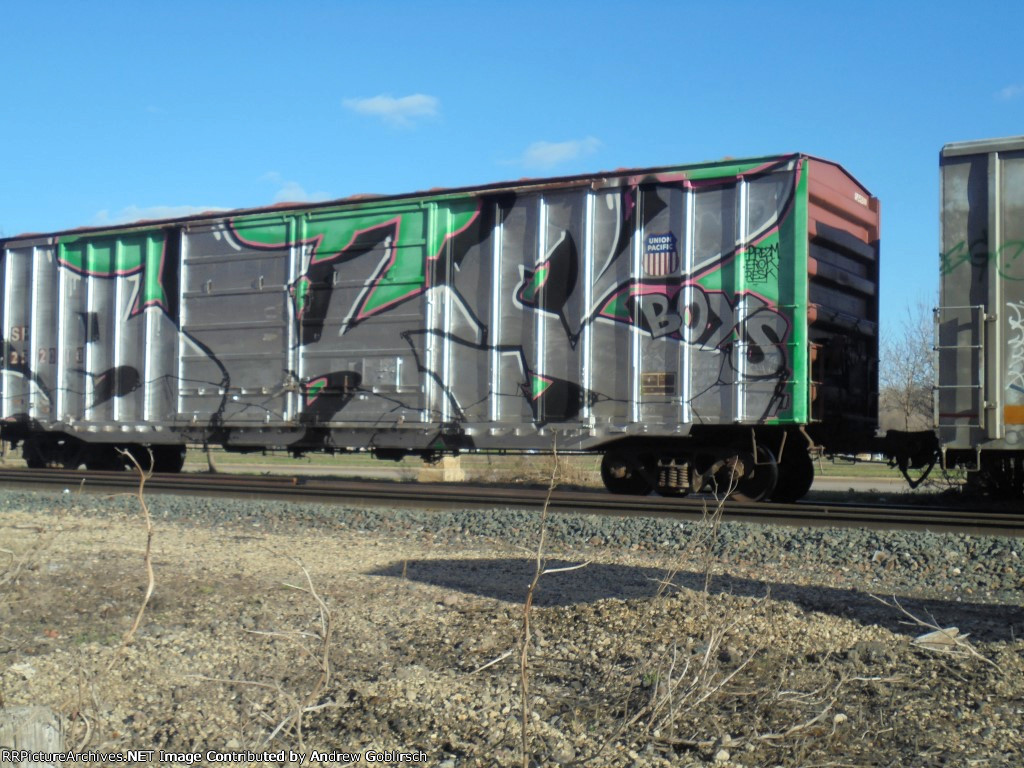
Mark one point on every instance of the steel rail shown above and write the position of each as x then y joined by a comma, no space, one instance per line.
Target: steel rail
449,495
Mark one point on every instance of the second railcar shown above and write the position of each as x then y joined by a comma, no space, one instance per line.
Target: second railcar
689,322
979,402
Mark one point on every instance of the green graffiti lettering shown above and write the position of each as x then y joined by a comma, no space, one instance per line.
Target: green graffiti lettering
1009,259
954,257
417,240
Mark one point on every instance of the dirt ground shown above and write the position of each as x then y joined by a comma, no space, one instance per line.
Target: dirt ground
399,647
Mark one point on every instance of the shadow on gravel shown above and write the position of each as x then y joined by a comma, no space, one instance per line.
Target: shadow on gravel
508,579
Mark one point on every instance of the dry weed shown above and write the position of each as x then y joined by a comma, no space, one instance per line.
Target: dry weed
314,648
526,636
148,556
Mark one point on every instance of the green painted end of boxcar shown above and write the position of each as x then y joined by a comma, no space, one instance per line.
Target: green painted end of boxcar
795,229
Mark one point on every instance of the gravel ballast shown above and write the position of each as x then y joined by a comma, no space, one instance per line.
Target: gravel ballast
675,644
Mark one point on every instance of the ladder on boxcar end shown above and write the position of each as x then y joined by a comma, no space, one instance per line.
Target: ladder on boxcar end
960,367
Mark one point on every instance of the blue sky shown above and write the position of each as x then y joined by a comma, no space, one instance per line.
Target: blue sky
111,111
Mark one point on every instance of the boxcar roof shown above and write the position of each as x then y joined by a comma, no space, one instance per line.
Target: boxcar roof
518,185
983,146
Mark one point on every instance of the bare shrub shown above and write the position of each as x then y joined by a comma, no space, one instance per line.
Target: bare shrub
941,640
13,563
687,693
147,557
703,541
314,647
541,569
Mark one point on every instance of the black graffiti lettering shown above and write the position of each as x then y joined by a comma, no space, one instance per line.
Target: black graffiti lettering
694,315
761,335
761,262
703,316
657,315
719,325
706,315
708,320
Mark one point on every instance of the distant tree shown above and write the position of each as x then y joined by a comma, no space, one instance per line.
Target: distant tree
907,371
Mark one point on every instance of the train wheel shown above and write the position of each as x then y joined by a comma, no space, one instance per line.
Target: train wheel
746,479
620,474
1001,476
52,450
796,475
168,458
32,453
103,458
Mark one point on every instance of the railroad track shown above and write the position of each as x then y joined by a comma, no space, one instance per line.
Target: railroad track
463,495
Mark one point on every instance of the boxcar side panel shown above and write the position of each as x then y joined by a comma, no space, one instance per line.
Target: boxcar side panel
1010,271
628,304
234,365
116,291
26,394
980,323
367,277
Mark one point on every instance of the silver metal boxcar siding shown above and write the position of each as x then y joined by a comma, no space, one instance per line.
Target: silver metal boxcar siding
59,325
129,339
30,322
162,343
587,338
75,328
234,301
688,247
21,304
654,357
440,318
494,402
376,347
742,310
99,351
980,323
42,332
610,349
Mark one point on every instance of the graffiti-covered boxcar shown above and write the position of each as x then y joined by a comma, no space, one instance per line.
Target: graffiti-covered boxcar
691,323
979,404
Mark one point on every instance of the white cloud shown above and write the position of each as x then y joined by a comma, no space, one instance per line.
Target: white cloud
287,192
545,154
292,191
401,112
135,213
1010,92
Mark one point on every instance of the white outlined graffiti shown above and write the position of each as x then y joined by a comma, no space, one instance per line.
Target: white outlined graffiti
1015,348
